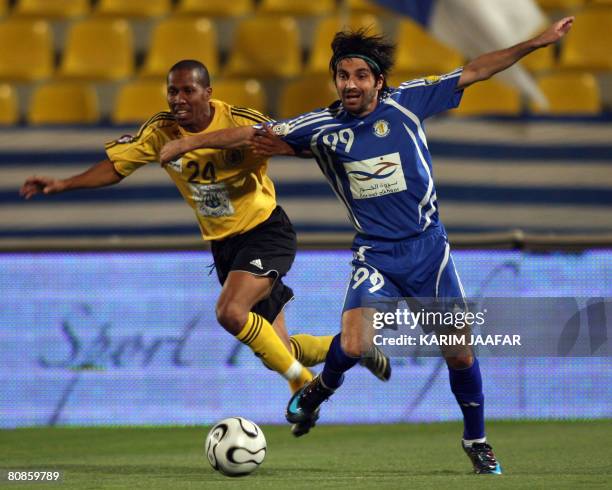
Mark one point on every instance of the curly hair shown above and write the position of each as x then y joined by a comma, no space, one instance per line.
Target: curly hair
374,49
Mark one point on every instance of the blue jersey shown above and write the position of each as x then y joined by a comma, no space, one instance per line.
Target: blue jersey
379,165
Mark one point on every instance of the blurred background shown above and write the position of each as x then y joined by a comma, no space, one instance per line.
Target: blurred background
527,156
95,332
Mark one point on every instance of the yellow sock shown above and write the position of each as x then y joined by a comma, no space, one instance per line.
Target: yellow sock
310,350
260,336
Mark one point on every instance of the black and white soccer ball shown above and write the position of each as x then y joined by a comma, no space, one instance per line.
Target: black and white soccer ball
235,446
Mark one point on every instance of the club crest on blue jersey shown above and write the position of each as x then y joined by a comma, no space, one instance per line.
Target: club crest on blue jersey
381,128
432,79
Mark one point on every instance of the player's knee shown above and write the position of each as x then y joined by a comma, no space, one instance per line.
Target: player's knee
231,316
463,361
352,346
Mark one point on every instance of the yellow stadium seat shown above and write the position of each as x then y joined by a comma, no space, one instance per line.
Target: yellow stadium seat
324,33
242,93
3,7
98,49
52,9
601,2
489,98
265,47
297,7
417,51
588,45
64,103
9,106
306,94
26,51
565,5
133,8
570,93
540,60
397,78
215,8
179,38
364,7
138,100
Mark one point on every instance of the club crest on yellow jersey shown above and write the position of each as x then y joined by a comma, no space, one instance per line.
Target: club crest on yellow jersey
234,157
125,139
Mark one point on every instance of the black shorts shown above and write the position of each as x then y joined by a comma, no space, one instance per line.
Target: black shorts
266,250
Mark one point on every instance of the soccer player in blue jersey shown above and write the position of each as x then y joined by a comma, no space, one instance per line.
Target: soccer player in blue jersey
371,146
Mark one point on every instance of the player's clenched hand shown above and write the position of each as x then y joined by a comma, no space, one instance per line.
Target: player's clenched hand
555,31
172,150
265,143
36,185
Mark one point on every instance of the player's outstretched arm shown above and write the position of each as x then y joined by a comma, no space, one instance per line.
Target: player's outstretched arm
267,144
222,139
100,175
487,65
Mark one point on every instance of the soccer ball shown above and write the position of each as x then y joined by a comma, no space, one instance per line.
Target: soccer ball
235,446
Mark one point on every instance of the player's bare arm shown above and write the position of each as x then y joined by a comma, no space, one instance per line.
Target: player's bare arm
487,65
267,144
222,139
99,175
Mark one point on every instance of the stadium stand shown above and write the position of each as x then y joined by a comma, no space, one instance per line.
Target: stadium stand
324,33
363,7
9,106
418,52
27,50
570,93
297,7
540,60
98,49
580,52
215,8
133,8
281,57
52,9
64,102
397,77
181,37
563,5
305,94
138,100
468,152
240,92
489,98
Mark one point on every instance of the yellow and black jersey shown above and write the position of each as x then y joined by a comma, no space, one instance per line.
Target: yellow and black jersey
229,190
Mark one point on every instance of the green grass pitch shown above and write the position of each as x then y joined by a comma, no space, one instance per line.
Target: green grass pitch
565,454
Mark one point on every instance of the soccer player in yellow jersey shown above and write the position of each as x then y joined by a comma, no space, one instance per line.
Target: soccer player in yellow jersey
252,240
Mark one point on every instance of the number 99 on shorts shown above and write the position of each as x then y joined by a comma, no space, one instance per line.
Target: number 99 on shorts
369,277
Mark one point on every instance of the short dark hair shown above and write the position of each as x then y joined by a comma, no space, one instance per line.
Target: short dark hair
197,66
374,49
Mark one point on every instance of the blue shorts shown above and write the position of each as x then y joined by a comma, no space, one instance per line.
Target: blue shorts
418,267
